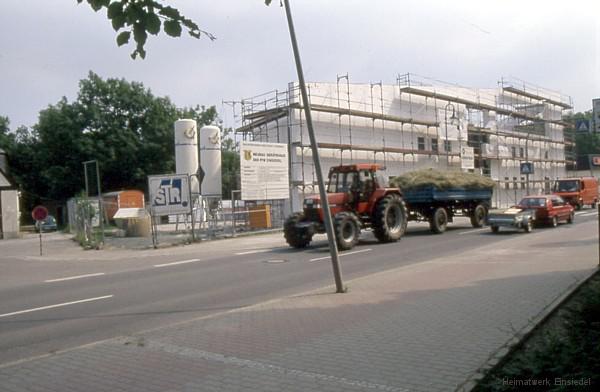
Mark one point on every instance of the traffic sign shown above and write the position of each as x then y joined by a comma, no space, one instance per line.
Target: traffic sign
526,167
582,125
39,213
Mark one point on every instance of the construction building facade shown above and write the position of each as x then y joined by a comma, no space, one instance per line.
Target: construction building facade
419,123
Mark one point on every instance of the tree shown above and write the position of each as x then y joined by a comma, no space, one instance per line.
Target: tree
120,124
142,17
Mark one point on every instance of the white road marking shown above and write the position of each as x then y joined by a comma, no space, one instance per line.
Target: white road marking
56,306
74,277
474,231
588,213
176,263
342,254
250,252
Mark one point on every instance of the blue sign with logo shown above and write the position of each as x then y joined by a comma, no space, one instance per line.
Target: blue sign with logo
169,194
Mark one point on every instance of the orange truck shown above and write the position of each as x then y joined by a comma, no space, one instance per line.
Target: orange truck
578,191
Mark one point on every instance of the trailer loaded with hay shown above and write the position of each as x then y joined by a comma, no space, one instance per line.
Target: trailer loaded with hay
437,197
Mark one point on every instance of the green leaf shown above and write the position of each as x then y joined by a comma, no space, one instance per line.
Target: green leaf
172,28
152,23
118,21
170,12
139,34
114,9
98,4
123,38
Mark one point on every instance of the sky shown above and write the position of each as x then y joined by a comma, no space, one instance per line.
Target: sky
47,46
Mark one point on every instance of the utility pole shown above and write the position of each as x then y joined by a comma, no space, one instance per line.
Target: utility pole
337,272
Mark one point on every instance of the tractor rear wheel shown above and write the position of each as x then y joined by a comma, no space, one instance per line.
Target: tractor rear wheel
297,237
389,218
347,230
478,215
438,220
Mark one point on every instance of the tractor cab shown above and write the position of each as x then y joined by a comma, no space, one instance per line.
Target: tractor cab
358,181
349,186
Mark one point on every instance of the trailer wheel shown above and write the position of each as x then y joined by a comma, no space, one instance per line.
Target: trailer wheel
495,229
478,215
389,218
297,237
571,218
554,221
439,220
347,230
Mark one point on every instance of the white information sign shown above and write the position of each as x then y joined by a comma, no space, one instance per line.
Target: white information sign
169,194
264,171
467,158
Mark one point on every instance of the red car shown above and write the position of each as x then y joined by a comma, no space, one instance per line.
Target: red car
550,209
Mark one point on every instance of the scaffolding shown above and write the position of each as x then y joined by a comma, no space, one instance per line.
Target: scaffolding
400,126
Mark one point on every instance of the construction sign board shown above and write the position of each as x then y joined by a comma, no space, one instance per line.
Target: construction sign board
264,171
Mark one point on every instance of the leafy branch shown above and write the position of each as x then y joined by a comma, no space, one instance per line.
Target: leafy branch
138,18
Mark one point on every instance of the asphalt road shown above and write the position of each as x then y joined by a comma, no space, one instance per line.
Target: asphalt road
92,301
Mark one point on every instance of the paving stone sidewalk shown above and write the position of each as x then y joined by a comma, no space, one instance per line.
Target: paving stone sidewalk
424,327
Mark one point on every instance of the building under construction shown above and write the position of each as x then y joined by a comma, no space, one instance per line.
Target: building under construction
419,123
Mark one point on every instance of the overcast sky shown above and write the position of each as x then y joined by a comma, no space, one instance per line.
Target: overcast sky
47,46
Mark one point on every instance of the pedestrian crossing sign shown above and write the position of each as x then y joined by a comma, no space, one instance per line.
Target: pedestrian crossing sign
526,168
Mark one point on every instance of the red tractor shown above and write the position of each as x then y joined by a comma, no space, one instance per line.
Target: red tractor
358,199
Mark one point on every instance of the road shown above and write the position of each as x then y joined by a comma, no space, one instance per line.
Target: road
55,305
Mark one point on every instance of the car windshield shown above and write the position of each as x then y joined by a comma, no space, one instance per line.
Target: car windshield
533,202
567,186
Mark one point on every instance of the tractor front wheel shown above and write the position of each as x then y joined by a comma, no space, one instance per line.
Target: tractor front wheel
297,237
347,230
389,218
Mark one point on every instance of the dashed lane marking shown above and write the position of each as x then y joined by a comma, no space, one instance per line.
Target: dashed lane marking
342,254
474,231
56,306
176,263
250,252
74,277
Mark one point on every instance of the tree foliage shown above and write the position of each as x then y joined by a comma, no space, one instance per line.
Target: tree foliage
138,18
120,124
586,142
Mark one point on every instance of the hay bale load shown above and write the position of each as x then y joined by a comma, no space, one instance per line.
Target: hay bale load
440,180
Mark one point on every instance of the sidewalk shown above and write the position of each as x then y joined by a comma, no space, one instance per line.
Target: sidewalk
423,327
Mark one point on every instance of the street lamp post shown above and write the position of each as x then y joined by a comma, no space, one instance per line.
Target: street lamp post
315,152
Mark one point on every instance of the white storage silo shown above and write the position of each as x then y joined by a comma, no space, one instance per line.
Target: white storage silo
186,150
210,160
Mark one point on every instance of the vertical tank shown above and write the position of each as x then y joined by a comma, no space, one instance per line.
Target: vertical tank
186,150
210,160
